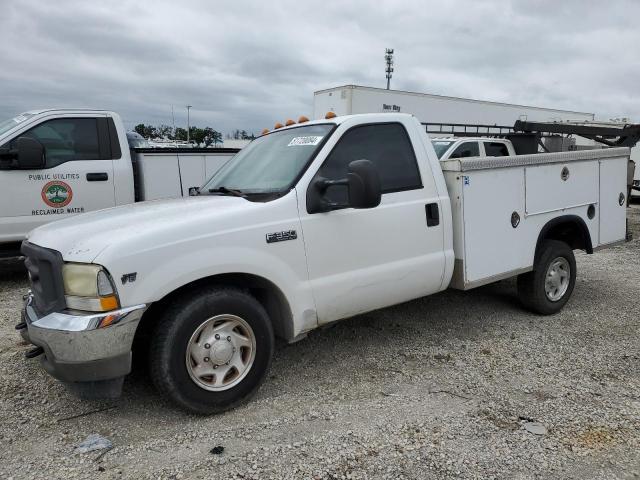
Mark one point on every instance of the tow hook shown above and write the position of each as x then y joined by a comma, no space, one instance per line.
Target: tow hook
34,352
21,326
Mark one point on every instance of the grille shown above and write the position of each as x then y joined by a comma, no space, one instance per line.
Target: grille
45,274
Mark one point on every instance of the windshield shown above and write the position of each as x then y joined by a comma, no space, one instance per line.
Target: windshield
270,163
7,125
441,146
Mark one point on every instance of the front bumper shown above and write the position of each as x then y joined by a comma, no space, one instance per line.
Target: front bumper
76,349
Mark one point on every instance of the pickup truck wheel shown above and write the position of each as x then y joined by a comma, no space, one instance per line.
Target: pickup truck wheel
210,351
547,288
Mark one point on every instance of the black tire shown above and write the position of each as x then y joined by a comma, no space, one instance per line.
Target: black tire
531,285
171,336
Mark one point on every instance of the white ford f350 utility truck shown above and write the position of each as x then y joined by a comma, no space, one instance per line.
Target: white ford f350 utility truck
58,163
307,225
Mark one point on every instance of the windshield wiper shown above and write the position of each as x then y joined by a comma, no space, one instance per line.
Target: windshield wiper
227,191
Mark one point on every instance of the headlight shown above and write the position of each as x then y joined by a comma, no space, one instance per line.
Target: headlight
89,287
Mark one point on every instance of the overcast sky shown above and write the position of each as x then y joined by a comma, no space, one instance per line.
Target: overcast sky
249,64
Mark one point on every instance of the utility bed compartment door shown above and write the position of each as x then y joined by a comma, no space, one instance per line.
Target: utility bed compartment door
556,186
612,214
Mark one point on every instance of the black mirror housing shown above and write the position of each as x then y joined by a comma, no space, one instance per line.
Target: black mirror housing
364,184
30,154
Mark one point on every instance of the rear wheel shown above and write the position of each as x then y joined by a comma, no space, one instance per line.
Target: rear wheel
548,287
211,350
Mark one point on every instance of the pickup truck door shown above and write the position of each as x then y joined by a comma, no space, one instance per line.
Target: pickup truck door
363,259
77,177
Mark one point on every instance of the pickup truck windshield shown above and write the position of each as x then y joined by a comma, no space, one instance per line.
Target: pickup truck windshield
441,146
7,125
270,163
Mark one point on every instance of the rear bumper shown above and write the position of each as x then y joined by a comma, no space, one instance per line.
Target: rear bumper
75,349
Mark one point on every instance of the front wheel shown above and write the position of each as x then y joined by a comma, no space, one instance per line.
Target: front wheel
211,350
547,288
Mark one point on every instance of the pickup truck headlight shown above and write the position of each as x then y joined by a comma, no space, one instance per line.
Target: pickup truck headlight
89,287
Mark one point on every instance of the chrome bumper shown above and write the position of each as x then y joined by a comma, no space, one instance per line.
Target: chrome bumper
76,347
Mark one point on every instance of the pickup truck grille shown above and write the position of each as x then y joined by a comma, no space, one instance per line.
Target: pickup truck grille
45,275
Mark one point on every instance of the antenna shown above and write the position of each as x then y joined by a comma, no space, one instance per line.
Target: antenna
388,56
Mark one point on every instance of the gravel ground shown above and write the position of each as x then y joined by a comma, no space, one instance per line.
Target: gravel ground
440,387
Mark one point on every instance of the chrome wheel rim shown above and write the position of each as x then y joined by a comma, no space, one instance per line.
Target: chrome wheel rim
220,352
556,281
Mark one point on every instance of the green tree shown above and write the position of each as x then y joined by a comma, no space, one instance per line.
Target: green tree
180,134
165,131
147,131
197,135
212,136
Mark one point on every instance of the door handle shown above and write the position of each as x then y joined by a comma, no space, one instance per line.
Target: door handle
433,214
97,177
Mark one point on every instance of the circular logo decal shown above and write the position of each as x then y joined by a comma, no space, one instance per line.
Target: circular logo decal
57,194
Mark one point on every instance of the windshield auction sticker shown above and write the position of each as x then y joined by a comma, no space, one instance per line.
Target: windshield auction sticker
57,194
304,141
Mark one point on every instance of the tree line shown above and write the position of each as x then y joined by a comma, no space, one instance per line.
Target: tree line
202,136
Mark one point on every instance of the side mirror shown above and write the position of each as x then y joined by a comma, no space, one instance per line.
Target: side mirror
363,185
30,154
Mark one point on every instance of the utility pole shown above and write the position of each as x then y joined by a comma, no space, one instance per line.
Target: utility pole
188,125
173,121
388,56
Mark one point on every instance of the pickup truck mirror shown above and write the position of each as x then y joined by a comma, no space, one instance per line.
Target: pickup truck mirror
30,154
363,185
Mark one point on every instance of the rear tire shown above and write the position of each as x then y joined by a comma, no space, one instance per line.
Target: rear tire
205,380
547,288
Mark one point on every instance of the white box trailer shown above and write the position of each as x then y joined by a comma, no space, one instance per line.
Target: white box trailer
352,99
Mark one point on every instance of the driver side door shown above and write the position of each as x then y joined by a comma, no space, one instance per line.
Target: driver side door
363,259
77,176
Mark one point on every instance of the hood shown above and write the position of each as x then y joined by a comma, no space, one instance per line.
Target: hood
82,238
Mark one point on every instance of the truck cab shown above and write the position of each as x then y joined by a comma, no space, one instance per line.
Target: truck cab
464,147
55,164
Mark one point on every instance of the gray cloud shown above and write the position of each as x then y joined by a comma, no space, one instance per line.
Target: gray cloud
249,64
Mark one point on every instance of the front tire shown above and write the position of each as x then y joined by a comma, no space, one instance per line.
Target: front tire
547,288
211,350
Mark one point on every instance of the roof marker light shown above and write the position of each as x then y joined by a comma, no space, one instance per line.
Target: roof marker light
329,115
265,131
277,126
303,119
289,122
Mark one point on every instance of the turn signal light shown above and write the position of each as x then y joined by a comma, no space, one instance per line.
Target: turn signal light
289,122
108,303
303,119
277,126
329,115
265,131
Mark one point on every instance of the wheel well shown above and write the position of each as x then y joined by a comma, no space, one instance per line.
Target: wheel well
569,229
267,293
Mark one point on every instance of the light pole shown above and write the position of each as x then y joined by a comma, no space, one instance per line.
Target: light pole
188,126
388,56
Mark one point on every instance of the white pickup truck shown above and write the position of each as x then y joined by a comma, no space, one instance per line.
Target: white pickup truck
307,225
58,163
